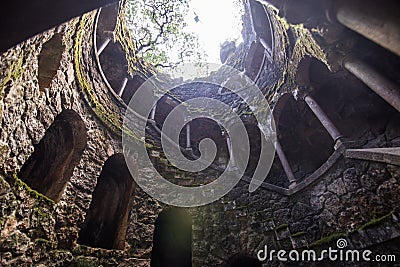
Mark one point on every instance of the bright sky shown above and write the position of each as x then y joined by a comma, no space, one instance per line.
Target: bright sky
220,20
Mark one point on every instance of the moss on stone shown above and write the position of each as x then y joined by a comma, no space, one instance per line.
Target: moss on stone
103,114
281,226
290,51
18,185
110,118
43,214
298,234
80,249
328,239
376,221
15,71
241,207
82,261
2,222
44,243
4,148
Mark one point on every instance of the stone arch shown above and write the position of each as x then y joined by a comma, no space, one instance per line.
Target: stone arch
49,60
254,137
280,105
303,71
114,65
262,24
304,140
163,107
277,175
107,22
227,49
107,218
243,259
132,86
50,166
204,128
254,60
356,110
172,239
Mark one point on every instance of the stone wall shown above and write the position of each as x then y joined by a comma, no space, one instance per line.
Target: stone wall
356,200
34,229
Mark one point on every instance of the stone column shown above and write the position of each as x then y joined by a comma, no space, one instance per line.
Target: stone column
378,21
228,144
285,165
124,82
323,118
385,88
188,145
153,112
103,46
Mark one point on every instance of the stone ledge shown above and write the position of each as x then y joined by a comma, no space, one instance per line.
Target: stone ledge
387,155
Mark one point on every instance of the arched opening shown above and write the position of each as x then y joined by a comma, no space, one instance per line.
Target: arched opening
49,60
357,111
164,106
50,166
243,260
304,141
262,24
106,23
254,137
277,175
107,218
131,88
111,56
114,66
201,128
280,106
254,60
172,239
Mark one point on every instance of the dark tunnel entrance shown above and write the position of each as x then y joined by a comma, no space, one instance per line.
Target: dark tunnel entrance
172,239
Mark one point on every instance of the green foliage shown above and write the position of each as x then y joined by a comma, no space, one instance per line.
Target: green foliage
160,32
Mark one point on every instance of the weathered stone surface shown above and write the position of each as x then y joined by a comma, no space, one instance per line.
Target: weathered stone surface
35,232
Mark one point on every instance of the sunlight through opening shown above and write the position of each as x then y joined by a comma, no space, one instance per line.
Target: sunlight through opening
168,33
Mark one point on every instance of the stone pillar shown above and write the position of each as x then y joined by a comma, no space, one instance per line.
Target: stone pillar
385,88
124,82
285,165
103,46
378,21
153,112
323,118
264,44
188,145
229,145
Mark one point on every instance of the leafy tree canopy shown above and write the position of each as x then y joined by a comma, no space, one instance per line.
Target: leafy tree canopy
160,32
